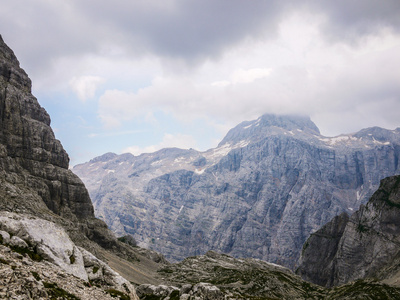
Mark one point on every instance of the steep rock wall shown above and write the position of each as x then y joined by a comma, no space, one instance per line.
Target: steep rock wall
364,245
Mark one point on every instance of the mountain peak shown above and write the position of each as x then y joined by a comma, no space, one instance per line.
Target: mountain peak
267,124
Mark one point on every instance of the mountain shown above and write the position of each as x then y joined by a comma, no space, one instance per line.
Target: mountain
48,229
365,245
260,193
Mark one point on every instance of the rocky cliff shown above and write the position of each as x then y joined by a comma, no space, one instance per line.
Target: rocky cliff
365,245
268,185
37,186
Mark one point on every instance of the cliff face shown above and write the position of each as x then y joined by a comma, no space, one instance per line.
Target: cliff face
30,156
364,245
260,193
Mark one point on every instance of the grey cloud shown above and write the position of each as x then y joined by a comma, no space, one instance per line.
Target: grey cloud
349,20
188,30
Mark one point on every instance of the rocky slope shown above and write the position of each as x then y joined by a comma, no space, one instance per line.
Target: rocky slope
260,193
35,182
37,256
365,245
217,276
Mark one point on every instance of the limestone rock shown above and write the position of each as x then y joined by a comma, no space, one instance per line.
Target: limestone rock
99,271
4,237
52,244
18,242
366,245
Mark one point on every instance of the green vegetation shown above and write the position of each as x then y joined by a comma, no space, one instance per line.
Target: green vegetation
361,228
174,295
56,292
26,251
72,259
117,294
364,289
3,261
129,240
95,269
36,275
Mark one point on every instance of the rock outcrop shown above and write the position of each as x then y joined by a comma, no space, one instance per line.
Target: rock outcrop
45,209
366,245
34,174
268,185
218,276
38,240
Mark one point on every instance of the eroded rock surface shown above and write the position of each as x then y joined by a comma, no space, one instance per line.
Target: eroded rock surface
366,245
35,181
38,240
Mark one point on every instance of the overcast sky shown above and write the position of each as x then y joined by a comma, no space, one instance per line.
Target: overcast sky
137,76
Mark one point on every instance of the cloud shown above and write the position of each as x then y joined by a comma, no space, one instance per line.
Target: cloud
178,32
181,141
85,86
317,79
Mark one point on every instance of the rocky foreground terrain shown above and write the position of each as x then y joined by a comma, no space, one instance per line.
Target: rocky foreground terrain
268,185
364,245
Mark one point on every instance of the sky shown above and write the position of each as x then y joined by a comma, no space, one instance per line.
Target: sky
137,76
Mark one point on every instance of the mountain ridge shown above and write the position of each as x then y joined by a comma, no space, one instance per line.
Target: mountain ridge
255,195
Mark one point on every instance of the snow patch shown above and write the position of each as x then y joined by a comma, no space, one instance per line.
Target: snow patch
181,209
338,139
157,162
241,144
110,171
380,143
247,127
199,171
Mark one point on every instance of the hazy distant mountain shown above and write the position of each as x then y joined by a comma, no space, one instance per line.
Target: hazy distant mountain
260,193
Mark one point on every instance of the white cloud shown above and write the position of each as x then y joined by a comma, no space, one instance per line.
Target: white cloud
85,86
315,79
181,141
247,76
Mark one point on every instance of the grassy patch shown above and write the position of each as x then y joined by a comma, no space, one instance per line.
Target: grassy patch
3,261
361,228
36,275
117,294
95,269
174,295
56,292
72,259
26,251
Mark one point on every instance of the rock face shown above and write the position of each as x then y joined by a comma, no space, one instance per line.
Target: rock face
268,185
34,175
364,245
35,182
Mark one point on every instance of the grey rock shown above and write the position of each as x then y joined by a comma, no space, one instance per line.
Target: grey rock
366,245
18,242
268,185
35,179
5,237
